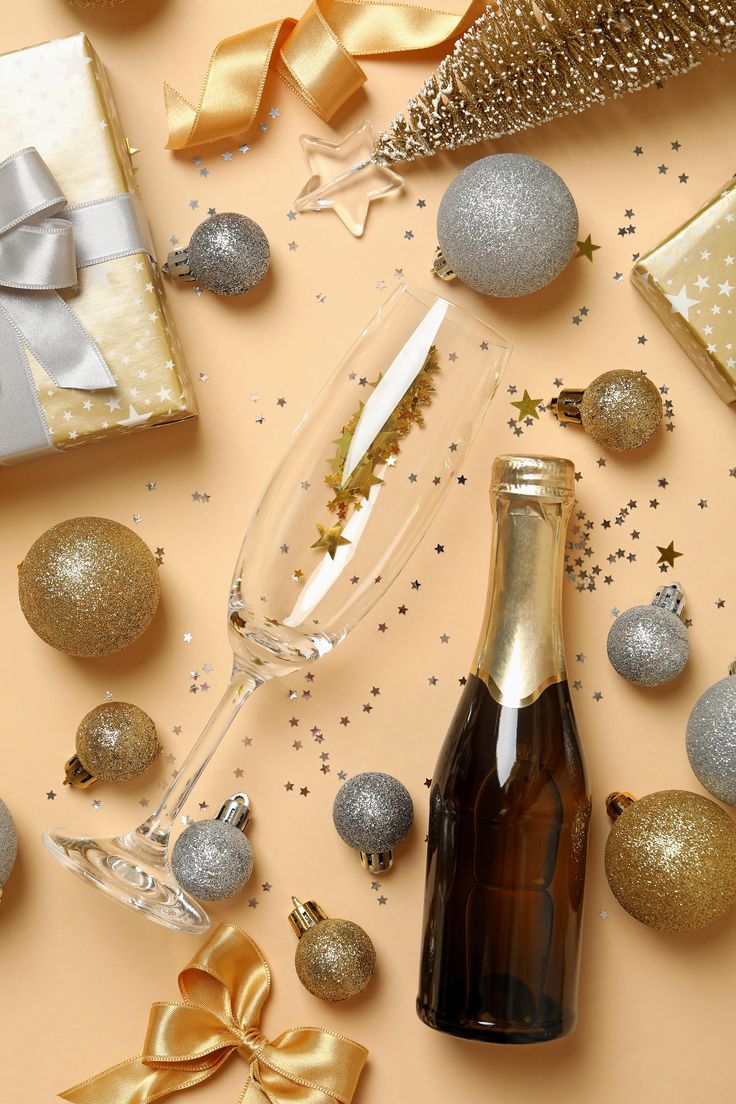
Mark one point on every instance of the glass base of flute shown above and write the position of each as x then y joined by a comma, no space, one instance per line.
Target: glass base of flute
336,524
134,868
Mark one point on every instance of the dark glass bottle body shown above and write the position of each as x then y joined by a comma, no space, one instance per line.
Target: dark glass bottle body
509,803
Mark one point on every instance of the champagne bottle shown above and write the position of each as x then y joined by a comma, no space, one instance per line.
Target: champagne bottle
509,802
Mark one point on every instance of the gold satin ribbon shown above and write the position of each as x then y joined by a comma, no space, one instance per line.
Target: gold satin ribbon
224,988
315,55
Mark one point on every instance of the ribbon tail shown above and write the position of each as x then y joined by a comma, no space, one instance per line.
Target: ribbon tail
23,428
134,1082
232,90
57,339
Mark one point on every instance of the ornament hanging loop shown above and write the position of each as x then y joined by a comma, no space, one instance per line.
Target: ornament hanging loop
236,811
441,266
617,802
566,405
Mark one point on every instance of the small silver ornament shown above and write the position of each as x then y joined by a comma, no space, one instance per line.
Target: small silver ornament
649,645
711,739
507,225
212,859
8,844
227,254
372,813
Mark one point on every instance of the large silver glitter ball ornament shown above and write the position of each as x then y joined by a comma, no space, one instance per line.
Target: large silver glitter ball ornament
8,844
373,812
212,860
229,254
711,740
507,225
648,645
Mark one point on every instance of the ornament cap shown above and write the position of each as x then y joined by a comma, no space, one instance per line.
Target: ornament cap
377,862
441,266
670,597
305,915
177,265
617,802
732,668
77,775
236,811
566,405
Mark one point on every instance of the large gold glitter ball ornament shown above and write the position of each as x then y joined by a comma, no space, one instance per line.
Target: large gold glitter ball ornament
671,859
115,742
334,959
89,586
621,410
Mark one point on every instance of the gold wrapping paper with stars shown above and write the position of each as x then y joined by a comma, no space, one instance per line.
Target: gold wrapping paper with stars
56,97
690,281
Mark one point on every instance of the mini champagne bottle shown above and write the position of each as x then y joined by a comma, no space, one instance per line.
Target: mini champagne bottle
509,802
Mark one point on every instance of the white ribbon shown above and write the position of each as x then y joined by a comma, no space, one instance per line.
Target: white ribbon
42,245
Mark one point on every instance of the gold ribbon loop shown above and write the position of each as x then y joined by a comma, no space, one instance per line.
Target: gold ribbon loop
314,55
224,988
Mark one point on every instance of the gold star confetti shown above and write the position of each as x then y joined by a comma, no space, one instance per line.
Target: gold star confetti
527,406
586,249
668,555
330,539
350,494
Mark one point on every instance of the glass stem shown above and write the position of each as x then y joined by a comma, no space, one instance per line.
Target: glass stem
153,834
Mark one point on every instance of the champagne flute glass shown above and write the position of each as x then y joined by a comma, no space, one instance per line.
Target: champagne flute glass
366,471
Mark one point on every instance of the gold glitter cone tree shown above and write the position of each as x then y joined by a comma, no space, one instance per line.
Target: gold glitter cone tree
524,63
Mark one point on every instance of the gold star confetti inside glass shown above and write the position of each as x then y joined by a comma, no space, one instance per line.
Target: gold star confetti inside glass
367,470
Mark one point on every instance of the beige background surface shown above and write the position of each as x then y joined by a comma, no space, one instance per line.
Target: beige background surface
77,974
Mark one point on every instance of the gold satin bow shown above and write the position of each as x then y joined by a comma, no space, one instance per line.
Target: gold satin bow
224,988
315,55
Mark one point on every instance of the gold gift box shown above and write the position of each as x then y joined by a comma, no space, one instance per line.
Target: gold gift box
56,97
687,280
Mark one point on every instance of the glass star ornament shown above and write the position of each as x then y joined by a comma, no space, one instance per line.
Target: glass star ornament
345,178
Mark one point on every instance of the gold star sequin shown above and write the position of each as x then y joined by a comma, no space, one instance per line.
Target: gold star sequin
586,249
527,406
668,555
330,538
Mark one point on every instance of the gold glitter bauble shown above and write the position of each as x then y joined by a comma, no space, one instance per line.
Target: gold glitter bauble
89,586
621,410
671,860
335,959
116,742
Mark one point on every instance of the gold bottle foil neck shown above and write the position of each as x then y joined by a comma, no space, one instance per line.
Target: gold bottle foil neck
521,650
542,476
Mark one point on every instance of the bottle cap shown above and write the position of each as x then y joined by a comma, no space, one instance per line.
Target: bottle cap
542,476
305,915
236,811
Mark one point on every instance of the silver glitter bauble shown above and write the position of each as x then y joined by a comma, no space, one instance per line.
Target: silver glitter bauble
228,254
711,739
8,844
372,813
507,225
212,860
648,645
